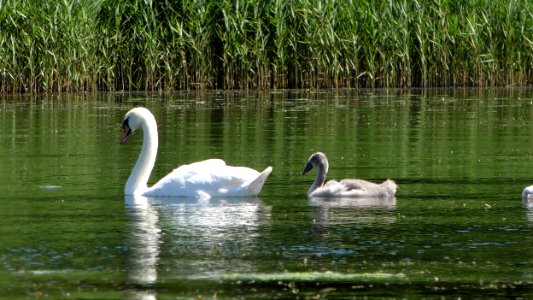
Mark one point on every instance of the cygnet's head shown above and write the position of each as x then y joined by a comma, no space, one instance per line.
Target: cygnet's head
317,160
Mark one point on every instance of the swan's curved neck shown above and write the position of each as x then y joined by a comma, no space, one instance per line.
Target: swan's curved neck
138,181
320,179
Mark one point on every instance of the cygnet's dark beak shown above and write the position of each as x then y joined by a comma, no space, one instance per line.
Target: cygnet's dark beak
308,168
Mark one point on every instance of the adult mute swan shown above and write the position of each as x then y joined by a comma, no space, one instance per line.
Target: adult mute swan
346,188
204,179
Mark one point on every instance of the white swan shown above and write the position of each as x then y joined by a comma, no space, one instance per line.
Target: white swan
527,196
204,179
347,188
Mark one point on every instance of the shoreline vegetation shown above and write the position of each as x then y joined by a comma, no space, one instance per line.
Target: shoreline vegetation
169,45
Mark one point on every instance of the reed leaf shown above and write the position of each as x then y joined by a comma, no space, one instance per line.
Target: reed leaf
106,45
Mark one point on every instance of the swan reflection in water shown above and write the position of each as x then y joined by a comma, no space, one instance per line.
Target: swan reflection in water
528,207
529,214
369,210
144,241
173,226
527,202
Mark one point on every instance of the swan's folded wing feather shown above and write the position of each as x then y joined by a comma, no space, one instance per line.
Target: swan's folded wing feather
212,177
357,187
358,184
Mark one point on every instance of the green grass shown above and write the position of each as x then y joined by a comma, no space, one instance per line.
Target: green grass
86,45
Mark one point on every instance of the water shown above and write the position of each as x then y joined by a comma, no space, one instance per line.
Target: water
455,229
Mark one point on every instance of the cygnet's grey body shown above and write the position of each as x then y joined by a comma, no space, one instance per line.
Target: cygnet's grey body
346,188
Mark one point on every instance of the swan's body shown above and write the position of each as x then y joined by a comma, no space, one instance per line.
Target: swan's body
346,188
204,179
527,196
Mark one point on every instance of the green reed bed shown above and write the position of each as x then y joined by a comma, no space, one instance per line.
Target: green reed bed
82,45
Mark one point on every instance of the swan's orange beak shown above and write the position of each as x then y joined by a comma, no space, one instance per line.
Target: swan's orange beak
127,132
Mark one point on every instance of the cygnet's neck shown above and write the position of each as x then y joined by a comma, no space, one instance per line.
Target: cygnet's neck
320,178
138,181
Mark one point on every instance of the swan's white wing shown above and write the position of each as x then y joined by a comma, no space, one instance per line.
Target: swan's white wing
209,178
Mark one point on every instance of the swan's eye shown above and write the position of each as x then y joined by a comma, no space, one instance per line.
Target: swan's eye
126,123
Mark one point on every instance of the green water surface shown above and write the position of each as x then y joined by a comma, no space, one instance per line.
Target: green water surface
457,227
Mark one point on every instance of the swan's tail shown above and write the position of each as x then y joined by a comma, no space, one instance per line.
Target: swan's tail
255,186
